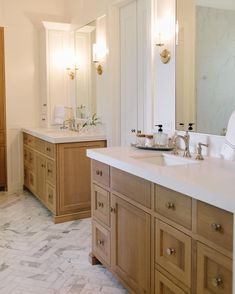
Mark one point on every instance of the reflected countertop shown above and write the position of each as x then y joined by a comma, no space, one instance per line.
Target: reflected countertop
57,136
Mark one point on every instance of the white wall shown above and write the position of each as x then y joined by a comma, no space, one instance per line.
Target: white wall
21,20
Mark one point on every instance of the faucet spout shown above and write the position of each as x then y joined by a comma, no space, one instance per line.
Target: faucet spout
186,139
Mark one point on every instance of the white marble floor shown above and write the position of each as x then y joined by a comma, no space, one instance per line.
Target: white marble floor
37,256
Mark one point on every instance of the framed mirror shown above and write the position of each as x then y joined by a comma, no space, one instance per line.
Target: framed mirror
205,65
85,89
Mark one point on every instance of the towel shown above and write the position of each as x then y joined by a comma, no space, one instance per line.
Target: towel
228,148
59,114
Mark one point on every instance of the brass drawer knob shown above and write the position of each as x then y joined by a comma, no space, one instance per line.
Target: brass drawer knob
217,227
100,204
50,196
170,205
101,242
170,251
112,209
99,172
217,281
48,149
49,171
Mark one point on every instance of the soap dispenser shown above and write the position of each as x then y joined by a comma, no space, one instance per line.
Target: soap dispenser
161,137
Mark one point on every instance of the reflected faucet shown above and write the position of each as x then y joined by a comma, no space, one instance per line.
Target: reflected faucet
186,139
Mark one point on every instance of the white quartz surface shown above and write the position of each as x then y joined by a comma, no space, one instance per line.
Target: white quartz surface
64,136
211,180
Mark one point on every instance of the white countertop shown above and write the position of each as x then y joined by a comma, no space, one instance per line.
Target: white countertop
63,136
211,180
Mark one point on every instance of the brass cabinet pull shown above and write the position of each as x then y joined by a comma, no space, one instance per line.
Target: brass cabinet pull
99,172
50,196
49,171
217,281
43,165
217,227
112,209
48,149
100,204
170,251
101,242
170,205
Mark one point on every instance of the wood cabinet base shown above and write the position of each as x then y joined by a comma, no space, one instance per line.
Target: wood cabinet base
59,175
70,217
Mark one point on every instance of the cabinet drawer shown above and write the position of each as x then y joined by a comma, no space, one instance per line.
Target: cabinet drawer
173,251
51,198
51,172
131,186
164,286
29,158
101,204
100,173
39,145
174,206
214,271
215,225
50,149
101,242
28,140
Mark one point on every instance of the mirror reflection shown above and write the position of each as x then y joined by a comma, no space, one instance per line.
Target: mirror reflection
85,37
205,69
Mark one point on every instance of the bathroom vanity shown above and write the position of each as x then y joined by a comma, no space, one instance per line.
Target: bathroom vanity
163,224
57,171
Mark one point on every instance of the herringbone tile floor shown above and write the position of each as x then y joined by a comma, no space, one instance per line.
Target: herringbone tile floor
37,256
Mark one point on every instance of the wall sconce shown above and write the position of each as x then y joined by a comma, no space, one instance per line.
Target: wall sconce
99,53
165,54
71,72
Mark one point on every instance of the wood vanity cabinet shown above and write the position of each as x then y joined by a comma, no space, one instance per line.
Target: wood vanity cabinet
3,162
156,240
59,176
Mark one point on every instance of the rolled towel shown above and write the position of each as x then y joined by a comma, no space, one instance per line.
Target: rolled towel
228,148
59,114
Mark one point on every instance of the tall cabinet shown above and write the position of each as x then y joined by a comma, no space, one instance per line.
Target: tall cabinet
3,174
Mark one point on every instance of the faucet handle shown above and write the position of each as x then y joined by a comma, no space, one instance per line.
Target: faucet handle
199,155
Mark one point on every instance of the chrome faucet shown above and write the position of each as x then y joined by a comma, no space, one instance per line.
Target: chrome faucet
186,139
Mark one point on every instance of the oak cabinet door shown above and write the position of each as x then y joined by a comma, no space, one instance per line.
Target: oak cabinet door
74,176
130,251
41,177
2,166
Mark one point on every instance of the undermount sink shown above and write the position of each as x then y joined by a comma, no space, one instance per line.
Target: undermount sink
164,159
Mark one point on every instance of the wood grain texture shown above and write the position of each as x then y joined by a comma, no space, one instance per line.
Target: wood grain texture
131,186
131,247
181,210
207,217
210,266
177,263
101,205
101,242
3,150
74,176
2,166
101,173
164,286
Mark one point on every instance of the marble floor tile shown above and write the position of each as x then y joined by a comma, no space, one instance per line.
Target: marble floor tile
39,257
